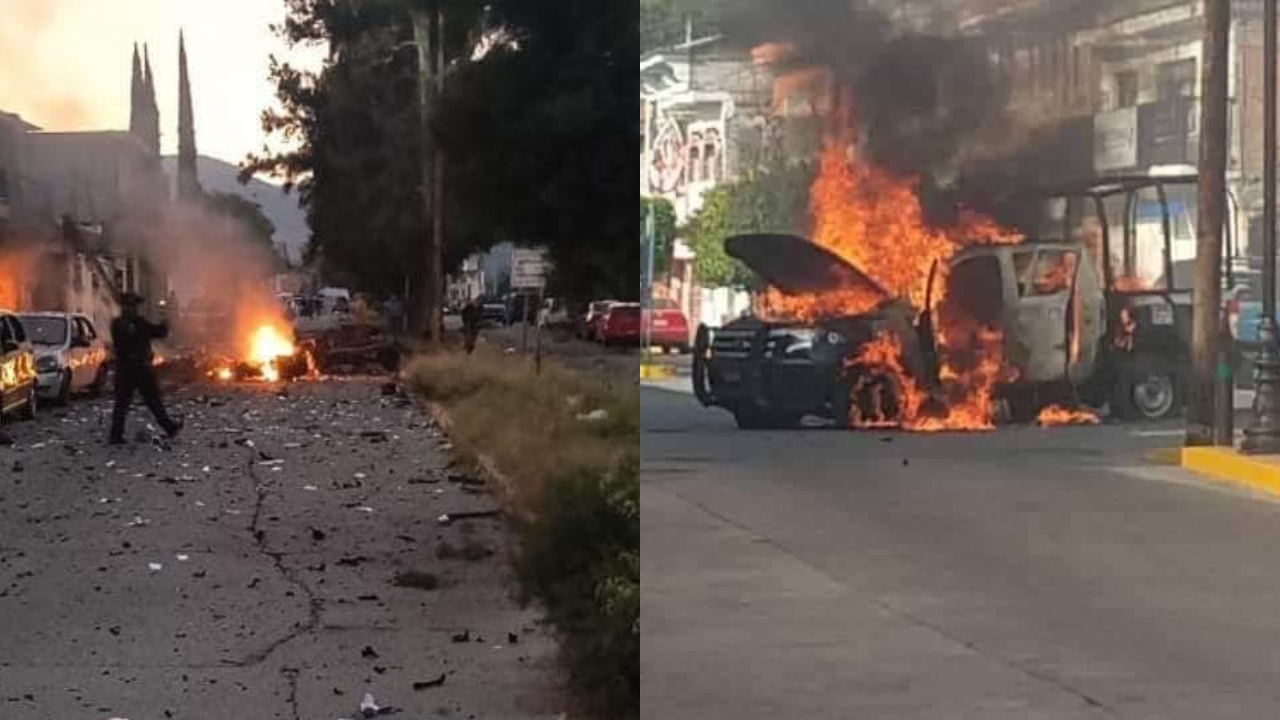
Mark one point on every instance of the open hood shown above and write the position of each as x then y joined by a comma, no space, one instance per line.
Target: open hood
795,265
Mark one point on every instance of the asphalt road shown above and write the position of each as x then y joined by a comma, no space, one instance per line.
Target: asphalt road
248,569
1023,573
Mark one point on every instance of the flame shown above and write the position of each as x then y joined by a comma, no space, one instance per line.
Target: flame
223,373
873,219
1062,415
266,346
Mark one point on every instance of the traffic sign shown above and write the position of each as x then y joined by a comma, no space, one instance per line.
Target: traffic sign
527,270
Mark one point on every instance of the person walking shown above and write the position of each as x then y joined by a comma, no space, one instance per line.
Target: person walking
131,336
471,316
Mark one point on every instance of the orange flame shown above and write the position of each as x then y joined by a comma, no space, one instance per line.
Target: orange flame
266,346
1062,415
873,219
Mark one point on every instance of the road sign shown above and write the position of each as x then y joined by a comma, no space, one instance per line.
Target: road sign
527,271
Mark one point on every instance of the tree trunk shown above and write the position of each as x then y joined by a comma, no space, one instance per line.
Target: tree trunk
1207,305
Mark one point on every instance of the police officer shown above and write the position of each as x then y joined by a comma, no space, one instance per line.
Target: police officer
131,334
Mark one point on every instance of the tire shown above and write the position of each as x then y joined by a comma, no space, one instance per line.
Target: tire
755,418
1148,389
64,390
99,382
28,411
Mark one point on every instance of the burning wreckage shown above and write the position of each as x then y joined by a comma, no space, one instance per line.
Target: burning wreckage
274,350
884,321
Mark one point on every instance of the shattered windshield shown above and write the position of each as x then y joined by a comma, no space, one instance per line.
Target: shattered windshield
45,330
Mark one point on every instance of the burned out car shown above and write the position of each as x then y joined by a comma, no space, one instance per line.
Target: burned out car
1092,307
771,374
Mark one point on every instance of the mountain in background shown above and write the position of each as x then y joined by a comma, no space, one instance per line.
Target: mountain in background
279,207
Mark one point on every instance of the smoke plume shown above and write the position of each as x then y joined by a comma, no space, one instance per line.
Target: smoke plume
213,264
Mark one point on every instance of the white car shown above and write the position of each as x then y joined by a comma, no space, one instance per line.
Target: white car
71,356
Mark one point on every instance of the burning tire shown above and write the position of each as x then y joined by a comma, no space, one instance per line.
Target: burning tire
871,399
1148,388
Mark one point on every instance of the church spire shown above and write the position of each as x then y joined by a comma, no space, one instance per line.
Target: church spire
136,91
152,129
188,182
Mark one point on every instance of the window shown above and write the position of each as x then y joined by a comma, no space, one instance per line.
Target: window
695,162
1022,262
1126,89
1176,79
974,293
15,329
1053,273
88,330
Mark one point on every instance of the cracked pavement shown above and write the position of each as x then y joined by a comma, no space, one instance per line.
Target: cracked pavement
249,568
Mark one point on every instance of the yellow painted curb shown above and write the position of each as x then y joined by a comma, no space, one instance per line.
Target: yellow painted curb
1228,465
656,372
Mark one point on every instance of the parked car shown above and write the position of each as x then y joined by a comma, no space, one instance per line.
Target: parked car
70,356
493,311
670,328
589,327
17,368
621,325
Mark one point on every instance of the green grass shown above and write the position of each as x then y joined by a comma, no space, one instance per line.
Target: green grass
575,489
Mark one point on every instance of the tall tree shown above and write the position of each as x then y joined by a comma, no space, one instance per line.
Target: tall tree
537,133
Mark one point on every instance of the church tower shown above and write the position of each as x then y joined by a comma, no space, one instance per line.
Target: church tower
188,180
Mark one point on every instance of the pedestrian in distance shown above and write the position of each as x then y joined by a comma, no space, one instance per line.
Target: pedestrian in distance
131,336
471,317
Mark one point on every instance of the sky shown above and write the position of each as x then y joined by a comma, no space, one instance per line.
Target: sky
67,63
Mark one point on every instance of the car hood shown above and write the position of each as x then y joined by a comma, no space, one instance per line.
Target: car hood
795,265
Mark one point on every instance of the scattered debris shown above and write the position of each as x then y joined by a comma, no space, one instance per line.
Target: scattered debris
464,636
597,415
448,518
155,567
416,579
368,652
432,683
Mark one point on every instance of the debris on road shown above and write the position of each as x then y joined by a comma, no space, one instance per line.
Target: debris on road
448,518
597,415
415,579
432,683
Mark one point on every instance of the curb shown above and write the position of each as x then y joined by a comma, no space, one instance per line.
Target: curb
1228,465
487,467
656,372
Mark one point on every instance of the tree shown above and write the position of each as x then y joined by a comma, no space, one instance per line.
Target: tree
664,225
257,226
772,200
536,133
358,137
539,133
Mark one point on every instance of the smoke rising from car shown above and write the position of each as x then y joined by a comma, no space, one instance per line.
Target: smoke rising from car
213,267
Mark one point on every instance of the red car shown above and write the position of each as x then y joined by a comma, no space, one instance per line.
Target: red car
621,325
670,328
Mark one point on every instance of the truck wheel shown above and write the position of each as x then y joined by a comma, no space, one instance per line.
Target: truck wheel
1148,389
755,418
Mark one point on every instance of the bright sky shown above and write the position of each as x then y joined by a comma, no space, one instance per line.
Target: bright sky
66,65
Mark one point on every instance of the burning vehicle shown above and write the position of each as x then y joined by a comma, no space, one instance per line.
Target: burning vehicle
1093,309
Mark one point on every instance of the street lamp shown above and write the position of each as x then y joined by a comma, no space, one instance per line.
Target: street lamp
1263,434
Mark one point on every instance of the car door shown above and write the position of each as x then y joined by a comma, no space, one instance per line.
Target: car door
10,386
95,353
75,351
1086,323
1040,322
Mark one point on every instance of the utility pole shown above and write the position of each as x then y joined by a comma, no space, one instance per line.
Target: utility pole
1207,305
1263,434
430,79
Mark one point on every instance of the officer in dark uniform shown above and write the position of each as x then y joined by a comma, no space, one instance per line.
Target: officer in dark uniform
131,334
